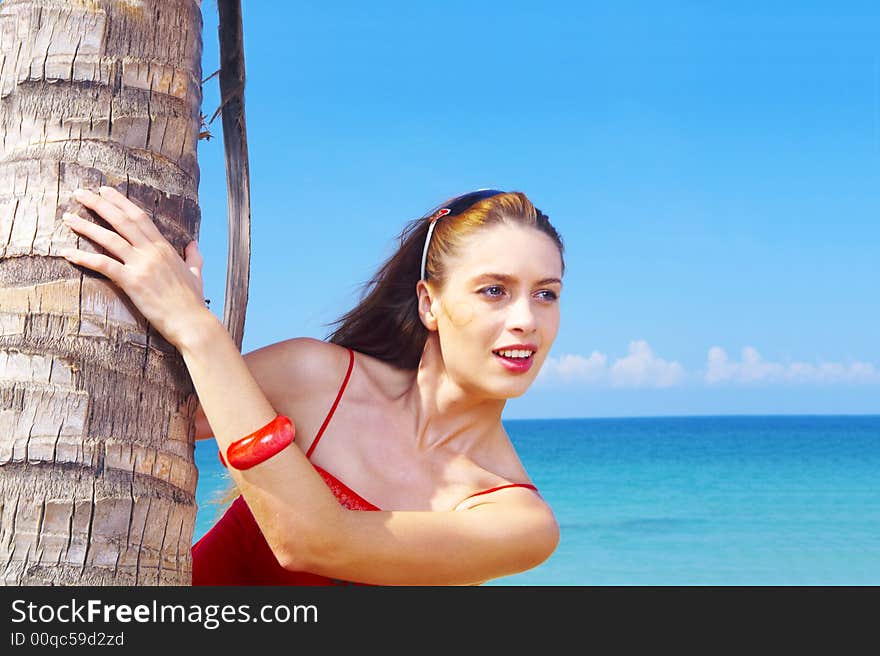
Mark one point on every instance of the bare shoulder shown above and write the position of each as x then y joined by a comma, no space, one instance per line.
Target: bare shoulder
297,366
523,517
290,372
527,516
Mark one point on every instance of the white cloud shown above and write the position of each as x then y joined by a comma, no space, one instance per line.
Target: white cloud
754,369
575,368
641,368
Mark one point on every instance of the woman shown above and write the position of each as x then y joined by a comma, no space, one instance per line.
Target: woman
415,379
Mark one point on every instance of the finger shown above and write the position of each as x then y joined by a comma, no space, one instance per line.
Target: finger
108,239
113,215
132,211
193,258
118,199
94,261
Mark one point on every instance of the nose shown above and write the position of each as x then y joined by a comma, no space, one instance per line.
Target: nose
521,316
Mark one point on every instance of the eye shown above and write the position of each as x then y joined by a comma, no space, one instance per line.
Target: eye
550,294
491,287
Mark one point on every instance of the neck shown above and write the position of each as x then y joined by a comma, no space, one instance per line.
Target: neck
447,414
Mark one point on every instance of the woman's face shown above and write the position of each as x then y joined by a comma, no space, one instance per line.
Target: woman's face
502,293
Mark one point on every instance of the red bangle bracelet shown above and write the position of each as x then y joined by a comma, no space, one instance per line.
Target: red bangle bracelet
261,444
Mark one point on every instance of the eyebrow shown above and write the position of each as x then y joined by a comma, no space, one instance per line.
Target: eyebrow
508,278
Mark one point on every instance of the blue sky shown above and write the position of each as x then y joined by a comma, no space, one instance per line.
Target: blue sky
713,172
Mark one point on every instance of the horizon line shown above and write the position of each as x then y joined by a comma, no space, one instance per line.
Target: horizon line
708,415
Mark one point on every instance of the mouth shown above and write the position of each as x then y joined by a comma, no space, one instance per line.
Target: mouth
516,360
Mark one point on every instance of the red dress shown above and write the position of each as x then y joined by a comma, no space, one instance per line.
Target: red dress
235,552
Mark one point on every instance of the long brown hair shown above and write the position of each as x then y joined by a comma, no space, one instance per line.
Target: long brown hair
386,323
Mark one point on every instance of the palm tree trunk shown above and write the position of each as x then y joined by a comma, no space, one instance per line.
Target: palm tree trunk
97,480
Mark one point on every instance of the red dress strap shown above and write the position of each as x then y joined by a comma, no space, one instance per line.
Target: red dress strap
501,487
335,403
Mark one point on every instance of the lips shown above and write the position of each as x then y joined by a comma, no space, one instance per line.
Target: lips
517,364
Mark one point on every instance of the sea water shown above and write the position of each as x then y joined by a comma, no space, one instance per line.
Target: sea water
775,500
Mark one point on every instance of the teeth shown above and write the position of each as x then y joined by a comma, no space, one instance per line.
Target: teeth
515,354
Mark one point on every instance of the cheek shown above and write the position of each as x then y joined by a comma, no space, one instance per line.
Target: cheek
460,313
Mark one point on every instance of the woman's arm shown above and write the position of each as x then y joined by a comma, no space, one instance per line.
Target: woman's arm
267,364
303,523
515,532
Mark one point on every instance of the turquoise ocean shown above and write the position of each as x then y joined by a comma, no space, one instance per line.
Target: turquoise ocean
730,500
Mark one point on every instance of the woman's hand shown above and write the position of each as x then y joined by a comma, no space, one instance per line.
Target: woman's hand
167,290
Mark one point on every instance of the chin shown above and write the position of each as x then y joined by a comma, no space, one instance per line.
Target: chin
518,391
516,395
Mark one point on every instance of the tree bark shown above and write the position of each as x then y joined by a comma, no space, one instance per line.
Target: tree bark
97,479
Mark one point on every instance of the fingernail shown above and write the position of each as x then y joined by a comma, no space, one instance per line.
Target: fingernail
79,193
67,217
103,188
64,252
